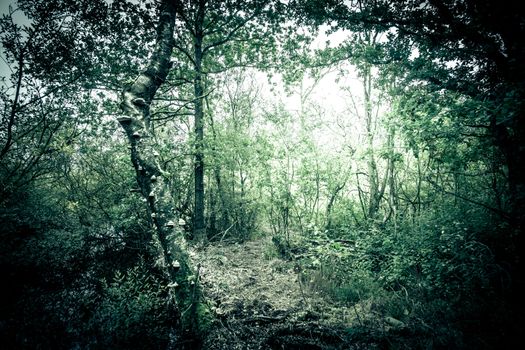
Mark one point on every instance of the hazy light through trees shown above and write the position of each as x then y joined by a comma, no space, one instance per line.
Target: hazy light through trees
261,174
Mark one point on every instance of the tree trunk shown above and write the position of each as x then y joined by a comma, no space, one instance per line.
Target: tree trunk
199,224
513,149
373,196
151,178
330,204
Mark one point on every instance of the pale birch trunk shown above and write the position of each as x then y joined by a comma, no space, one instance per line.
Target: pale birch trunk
151,178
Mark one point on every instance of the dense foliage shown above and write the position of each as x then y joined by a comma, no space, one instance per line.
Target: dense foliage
386,165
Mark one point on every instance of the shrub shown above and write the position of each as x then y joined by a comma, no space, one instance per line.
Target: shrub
131,313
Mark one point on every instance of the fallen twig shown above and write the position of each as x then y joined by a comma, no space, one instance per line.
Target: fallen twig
264,318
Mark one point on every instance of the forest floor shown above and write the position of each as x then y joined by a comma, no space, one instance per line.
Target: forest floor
262,301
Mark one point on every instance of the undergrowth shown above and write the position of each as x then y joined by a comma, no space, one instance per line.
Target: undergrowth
434,281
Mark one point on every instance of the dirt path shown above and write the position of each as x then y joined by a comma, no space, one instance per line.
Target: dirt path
261,302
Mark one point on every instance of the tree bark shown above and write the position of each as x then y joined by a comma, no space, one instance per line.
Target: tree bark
151,178
330,204
375,195
199,223
513,149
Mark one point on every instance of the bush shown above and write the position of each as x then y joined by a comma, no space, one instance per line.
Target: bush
131,313
435,275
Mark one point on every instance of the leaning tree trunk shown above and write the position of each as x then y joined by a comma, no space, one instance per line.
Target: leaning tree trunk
151,178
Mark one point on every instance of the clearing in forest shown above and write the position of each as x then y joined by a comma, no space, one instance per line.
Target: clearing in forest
263,302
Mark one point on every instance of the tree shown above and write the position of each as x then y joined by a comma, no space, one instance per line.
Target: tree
467,47
371,106
66,194
213,37
56,60
38,96
234,154
151,178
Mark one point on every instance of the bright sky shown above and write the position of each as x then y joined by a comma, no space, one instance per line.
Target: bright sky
21,19
4,5
4,9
